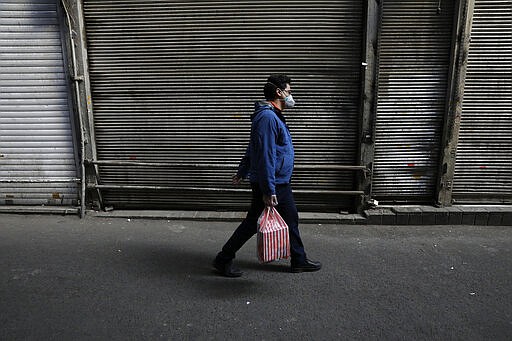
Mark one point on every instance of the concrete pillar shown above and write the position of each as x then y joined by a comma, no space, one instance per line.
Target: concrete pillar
77,45
459,58
369,77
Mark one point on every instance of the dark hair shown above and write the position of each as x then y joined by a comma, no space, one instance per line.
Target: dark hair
276,81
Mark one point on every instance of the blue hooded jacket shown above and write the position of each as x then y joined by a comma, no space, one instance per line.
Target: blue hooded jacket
269,157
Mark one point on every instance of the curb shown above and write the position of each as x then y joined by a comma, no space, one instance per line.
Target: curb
393,215
305,217
62,210
389,215
429,215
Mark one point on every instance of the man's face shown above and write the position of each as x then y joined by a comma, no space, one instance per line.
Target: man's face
285,96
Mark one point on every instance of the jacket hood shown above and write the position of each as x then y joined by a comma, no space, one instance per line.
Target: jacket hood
260,106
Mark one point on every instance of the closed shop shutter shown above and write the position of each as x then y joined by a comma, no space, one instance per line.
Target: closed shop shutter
483,170
174,82
414,64
37,159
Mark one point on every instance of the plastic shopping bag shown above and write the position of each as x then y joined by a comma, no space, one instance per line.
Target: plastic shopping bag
273,236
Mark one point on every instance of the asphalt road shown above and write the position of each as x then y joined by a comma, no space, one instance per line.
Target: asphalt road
62,278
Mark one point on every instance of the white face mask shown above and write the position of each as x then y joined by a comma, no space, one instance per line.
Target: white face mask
289,102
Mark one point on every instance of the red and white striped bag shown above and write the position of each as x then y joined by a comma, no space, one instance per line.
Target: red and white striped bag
273,236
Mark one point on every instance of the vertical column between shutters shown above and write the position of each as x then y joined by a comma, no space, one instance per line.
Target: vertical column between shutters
483,171
175,81
413,62
37,160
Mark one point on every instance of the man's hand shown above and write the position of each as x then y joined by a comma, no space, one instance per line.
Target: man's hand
270,200
236,179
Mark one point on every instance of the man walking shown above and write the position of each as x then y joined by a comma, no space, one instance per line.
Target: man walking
268,162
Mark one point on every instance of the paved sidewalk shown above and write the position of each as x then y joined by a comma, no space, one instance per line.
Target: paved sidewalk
65,278
492,215
500,215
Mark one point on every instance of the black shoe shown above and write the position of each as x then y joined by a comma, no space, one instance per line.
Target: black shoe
307,266
226,269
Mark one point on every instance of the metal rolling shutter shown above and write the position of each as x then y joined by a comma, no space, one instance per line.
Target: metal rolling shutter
175,82
412,87
37,160
483,170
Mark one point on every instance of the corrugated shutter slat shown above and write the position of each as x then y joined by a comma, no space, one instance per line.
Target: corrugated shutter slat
175,81
413,71
483,172
37,157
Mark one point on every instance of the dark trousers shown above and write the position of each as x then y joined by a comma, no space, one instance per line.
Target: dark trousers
286,208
